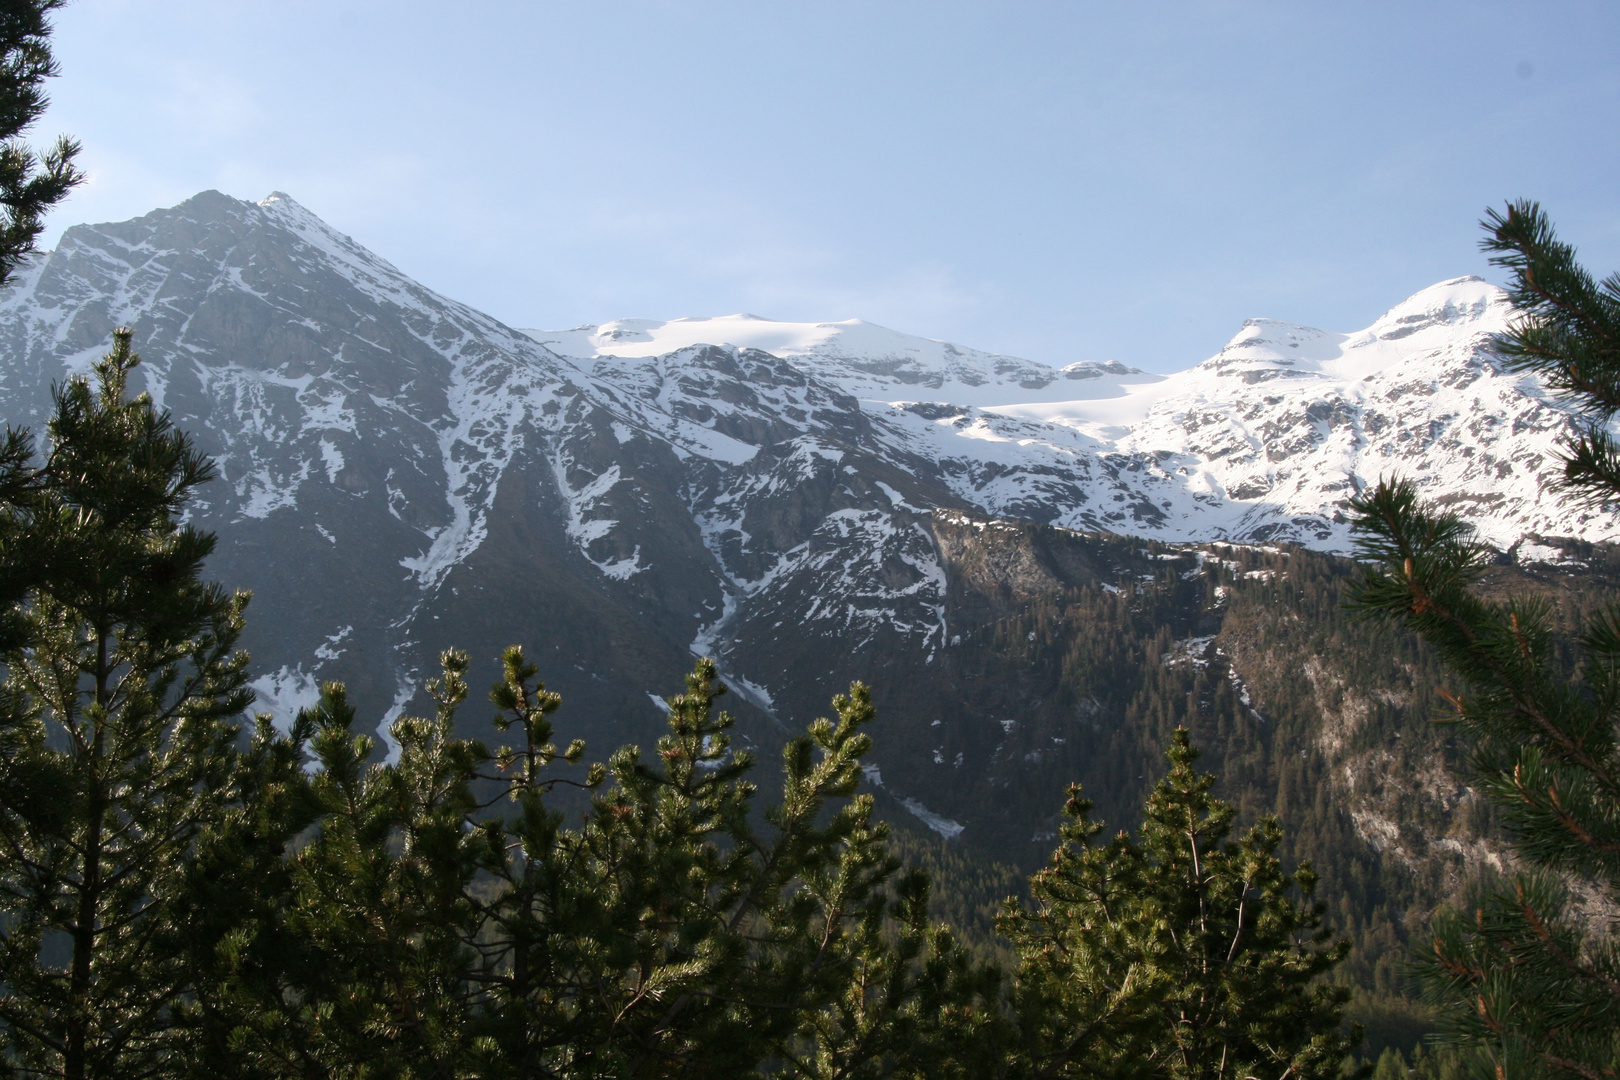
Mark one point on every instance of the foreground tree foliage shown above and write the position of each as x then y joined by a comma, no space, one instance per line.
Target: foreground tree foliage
116,751
1179,954
437,933
30,183
1520,978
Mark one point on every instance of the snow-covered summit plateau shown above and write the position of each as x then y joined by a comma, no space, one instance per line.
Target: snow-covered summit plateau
861,358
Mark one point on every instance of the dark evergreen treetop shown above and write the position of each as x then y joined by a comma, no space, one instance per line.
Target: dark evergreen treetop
1179,955
1569,335
30,183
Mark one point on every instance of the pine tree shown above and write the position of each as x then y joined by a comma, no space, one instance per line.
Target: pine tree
1519,978
118,751
373,925
234,904
30,183
1179,954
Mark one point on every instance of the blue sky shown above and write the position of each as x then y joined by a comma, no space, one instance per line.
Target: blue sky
1057,180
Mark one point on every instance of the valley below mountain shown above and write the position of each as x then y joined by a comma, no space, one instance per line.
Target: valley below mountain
1041,571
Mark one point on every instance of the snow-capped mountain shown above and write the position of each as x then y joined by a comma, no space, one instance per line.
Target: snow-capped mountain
811,503
1264,440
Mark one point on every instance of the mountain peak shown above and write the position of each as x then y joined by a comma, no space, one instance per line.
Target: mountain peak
1278,341
294,214
282,201
1454,302
1264,349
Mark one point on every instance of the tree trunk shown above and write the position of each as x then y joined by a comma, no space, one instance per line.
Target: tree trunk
76,1049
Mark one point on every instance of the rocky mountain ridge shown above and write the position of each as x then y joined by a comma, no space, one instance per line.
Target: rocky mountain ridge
810,503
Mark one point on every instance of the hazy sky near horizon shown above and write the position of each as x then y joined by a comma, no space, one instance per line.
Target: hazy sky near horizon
1057,180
